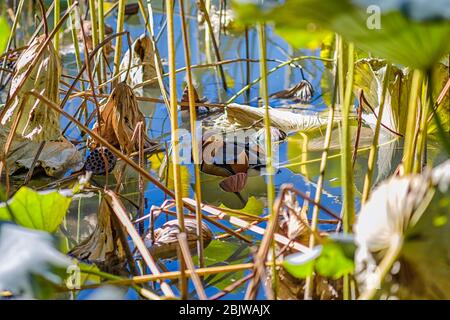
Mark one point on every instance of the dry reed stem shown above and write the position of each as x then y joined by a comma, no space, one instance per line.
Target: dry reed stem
38,56
119,210
173,275
184,248
244,224
194,142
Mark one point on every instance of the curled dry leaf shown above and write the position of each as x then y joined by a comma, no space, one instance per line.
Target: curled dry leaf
166,238
103,247
287,121
38,122
276,135
119,117
142,66
87,27
56,157
302,92
293,219
185,98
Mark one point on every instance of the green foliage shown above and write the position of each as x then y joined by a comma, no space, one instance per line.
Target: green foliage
418,44
220,253
36,210
253,206
330,260
5,31
333,262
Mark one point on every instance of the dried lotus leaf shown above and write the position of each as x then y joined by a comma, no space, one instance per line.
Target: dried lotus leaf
38,122
56,157
103,246
87,28
285,120
142,66
166,238
119,117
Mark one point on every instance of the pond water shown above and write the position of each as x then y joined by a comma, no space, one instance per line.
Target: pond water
299,155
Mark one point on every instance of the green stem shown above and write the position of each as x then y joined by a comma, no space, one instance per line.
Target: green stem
410,146
11,36
202,7
174,135
76,46
94,32
374,146
101,37
194,142
323,164
420,156
348,206
148,18
346,163
120,23
57,16
268,141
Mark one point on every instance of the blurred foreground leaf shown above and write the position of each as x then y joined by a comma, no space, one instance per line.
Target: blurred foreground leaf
397,37
29,262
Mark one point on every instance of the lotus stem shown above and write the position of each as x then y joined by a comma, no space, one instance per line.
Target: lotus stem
410,143
268,142
374,146
120,23
87,269
194,142
346,164
346,92
57,15
101,37
76,46
171,275
11,36
148,18
323,165
203,8
420,156
174,134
